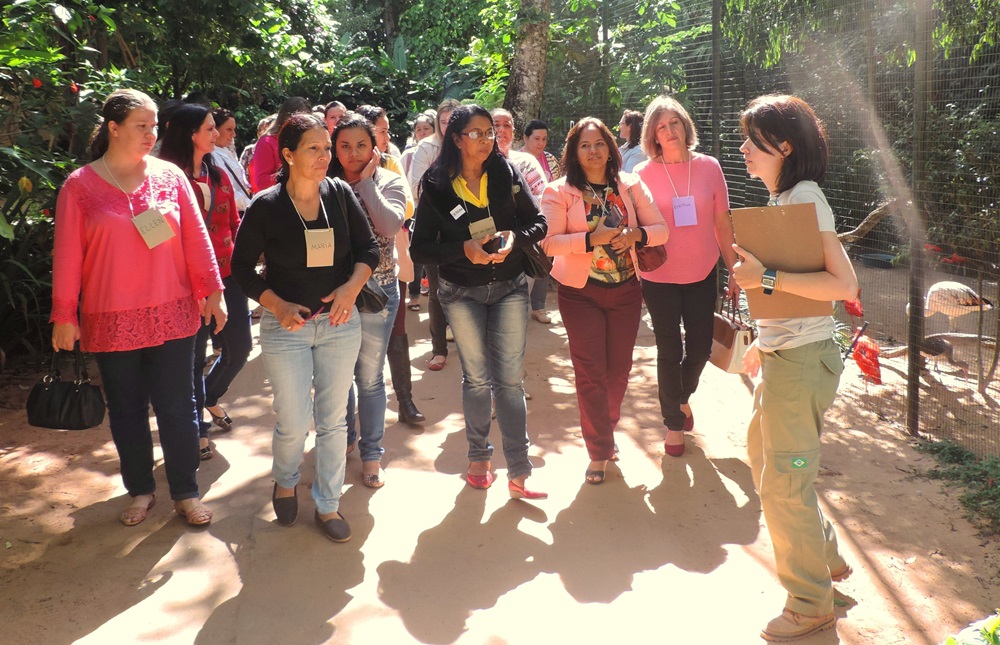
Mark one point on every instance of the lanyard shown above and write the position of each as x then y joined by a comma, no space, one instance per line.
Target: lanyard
322,208
128,197
676,194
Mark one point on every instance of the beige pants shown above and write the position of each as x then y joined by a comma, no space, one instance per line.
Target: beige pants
798,386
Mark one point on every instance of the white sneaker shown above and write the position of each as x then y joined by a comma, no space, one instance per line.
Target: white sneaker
541,316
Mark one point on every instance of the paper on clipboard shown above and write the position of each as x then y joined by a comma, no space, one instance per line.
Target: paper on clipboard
785,238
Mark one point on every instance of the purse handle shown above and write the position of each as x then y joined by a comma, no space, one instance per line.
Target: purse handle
729,309
79,368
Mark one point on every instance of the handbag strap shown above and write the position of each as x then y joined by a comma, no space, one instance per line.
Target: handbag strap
80,367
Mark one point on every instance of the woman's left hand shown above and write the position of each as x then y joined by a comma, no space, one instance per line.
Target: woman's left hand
748,271
369,170
505,249
626,239
215,307
342,300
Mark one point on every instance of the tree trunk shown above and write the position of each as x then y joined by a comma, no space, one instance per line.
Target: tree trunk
527,75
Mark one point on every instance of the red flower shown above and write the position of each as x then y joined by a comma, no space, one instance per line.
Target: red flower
36,82
73,87
46,212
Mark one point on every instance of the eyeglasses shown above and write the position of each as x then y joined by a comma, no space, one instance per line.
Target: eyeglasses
475,135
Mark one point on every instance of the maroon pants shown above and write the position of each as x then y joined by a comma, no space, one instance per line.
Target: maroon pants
602,324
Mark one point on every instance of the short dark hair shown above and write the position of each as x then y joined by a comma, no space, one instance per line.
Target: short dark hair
291,134
535,124
221,115
333,104
773,119
633,120
449,162
177,147
571,163
349,121
372,113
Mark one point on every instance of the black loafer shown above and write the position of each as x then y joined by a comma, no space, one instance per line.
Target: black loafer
336,528
285,508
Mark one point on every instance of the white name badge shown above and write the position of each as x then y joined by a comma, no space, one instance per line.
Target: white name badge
153,227
457,212
483,228
319,247
684,212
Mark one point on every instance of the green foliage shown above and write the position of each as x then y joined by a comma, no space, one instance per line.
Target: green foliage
983,632
979,478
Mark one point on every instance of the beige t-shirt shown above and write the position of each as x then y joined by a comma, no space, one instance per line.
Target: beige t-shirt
785,333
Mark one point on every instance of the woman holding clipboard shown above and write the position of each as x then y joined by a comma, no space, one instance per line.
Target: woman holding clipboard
800,363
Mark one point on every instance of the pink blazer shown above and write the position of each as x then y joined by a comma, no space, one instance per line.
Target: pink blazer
563,208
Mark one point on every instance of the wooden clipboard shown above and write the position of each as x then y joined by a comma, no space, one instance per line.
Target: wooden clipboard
785,238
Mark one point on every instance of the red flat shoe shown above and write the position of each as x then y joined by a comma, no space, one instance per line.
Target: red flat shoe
520,492
689,423
673,450
482,482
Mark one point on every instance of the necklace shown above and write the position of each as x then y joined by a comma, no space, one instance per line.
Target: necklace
669,178
603,200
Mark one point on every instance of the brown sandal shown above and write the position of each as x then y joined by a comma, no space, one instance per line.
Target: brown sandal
199,516
136,514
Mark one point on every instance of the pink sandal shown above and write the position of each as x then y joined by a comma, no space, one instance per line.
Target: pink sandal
436,364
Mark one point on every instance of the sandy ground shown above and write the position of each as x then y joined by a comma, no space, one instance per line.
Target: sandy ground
666,551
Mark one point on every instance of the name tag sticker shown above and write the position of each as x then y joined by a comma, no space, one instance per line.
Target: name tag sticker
684,212
482,228
153,227
319,247
457,212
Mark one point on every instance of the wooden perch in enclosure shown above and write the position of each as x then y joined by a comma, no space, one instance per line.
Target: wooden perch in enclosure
868,223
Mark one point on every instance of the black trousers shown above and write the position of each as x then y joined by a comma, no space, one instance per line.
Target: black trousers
680,361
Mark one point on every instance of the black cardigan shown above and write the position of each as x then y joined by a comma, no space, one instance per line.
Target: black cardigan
272,227
438,238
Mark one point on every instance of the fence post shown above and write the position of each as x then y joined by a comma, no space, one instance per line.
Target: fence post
918,219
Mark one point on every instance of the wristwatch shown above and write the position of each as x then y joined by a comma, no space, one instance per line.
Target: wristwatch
768,281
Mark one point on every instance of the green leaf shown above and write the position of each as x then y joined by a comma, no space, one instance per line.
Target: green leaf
5,229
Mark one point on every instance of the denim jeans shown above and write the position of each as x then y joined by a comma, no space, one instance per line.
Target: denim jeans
375,332
236,343
316,357
159,375
539,290
679,363
490,324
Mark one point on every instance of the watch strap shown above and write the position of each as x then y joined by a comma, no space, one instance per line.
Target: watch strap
769,280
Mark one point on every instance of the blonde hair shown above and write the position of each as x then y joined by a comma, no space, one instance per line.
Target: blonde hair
654,112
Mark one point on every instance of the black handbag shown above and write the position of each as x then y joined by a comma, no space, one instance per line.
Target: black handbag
536,264
372,298
66,405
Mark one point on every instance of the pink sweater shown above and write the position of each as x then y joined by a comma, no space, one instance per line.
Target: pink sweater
129,296
564,211
265,163
692,251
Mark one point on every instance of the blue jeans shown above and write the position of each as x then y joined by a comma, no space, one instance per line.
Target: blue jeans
375,332
490,324
159,375
236,343
316,357
539,290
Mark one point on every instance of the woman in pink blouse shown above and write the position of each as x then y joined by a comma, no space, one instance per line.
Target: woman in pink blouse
691,192
266,161
189,143
597,217
133,272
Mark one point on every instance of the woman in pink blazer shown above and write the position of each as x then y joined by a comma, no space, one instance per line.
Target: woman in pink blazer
597,217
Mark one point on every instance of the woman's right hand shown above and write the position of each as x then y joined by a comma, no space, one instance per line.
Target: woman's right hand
291,316
603,234
474,251
64,336
751,360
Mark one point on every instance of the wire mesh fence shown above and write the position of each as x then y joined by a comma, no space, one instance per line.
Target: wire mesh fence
873,72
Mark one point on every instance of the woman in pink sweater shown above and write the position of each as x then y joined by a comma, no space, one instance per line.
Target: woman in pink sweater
266,161
597,217
133,273
691,192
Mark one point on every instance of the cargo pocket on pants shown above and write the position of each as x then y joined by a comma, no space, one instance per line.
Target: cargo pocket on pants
797,471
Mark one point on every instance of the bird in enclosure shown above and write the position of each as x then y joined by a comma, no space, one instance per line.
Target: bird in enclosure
936,347
953,299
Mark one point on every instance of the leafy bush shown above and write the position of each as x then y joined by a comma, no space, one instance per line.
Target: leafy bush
979,477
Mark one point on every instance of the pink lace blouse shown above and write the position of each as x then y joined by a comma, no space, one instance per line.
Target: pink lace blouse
129,296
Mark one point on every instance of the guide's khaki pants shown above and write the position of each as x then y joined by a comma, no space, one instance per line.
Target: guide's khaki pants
798,385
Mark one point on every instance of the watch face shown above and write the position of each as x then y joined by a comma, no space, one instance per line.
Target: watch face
767,281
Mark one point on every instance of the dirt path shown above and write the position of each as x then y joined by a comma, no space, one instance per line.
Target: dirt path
667,551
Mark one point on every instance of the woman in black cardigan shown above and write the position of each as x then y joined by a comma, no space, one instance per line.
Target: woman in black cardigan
474,217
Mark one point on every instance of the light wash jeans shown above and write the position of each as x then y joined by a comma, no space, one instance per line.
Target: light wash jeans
319,357
490,324
375,332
